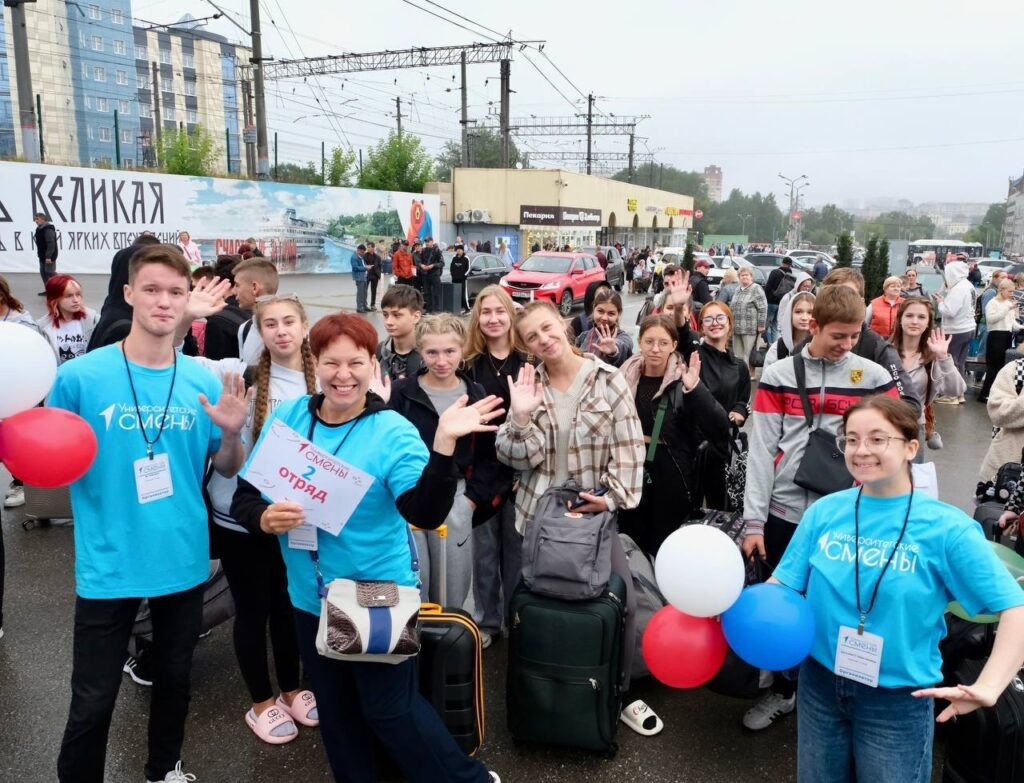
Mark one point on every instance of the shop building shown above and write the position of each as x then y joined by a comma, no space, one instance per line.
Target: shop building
535,207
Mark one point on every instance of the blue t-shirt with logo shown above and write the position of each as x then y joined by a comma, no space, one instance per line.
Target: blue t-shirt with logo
124,549
374,544
943,557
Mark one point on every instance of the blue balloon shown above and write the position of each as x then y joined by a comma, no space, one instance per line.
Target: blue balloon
770,627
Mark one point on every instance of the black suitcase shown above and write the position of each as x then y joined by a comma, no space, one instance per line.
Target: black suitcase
564,682
987,745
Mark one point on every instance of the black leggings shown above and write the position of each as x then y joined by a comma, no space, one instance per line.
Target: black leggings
255,571
996,346
777,535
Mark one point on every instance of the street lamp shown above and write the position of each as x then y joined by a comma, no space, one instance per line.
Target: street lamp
744,218
793,191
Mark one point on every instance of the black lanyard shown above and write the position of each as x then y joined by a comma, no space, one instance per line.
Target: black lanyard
163,418
312,426
856,561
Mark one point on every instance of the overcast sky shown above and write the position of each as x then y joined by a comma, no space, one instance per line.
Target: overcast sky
870,99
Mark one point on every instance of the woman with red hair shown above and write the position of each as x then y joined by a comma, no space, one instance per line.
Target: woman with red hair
68,323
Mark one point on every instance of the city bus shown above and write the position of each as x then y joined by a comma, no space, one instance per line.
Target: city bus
935,252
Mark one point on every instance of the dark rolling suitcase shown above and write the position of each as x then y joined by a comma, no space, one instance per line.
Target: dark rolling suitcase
565,669
451,666
987,745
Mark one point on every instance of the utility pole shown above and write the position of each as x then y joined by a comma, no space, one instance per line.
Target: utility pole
117,139
250,148
227,147
157,122
23,72
465,112
398,114
632,170
590,128
39,117
790,233
506,140
262,151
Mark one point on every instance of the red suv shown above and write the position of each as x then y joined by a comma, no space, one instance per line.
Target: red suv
561,278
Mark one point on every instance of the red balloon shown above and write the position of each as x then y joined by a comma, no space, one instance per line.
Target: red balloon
47,447
683,651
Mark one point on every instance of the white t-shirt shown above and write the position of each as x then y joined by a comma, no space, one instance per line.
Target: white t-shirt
71,342
251,347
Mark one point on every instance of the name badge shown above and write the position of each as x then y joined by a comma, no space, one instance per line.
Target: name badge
303,537
858,656
153,478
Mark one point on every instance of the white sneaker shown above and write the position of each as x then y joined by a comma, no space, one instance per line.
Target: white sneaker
947,400
485,640
494,777
15,497
935,441
771,707
176,776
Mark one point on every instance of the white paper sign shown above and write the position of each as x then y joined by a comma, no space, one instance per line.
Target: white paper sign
287,467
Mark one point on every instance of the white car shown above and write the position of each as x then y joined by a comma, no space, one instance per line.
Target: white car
989,265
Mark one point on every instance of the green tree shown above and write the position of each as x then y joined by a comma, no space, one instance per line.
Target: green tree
688,257
295,174
397,163
873,279
658,175
820,227
897,225
990,231
192,153
339,167
883,257
484,153
844,249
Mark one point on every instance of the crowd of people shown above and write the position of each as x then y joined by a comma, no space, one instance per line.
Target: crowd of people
467,423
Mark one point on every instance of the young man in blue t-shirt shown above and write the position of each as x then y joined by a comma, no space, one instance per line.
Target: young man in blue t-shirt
140,519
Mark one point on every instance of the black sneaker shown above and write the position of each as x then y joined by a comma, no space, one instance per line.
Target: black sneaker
136,669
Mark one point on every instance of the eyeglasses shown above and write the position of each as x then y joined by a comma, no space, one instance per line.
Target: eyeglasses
277,298
876,444
721,318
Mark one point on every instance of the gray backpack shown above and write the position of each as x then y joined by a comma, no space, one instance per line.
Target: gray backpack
648,597
567,554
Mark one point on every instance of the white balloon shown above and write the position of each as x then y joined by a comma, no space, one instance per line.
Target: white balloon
699,570
29,367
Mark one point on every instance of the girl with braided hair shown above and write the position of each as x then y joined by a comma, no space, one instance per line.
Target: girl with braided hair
252,561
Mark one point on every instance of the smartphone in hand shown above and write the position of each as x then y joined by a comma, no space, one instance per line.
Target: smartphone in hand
580,502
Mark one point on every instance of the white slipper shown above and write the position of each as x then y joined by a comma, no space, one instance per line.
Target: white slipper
642,719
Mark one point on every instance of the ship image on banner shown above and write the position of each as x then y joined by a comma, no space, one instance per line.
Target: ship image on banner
304,229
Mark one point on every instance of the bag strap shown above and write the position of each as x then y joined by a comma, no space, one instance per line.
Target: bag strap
321,588
659,419
801,385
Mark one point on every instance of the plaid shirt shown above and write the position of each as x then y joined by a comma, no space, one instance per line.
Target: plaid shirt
606,446
749,309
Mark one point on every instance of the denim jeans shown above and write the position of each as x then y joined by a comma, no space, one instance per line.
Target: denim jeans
357,701
851,732
958,351
772,327
360,294
102,630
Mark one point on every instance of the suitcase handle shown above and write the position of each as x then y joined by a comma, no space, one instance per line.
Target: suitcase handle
441,531
427,608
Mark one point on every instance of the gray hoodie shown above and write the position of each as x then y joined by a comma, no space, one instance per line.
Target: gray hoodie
780,432
785,321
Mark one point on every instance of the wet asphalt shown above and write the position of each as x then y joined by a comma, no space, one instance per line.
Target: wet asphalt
703,741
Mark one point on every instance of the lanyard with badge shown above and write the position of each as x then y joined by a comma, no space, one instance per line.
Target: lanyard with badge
304,536
859,653
152,472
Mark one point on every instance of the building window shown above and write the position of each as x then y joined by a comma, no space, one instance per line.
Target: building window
81,39
120,47
117,16
88,101
188,60
145,110
141,52
128,163
94,12
122,77
102,104
97,43
167,84
191,116
88,132
99,74
170,114
190,86
104,134
126,137
124,107
165,56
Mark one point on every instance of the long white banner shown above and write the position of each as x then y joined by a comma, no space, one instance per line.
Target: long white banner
302,228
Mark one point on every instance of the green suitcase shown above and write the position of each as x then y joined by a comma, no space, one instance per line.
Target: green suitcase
565,674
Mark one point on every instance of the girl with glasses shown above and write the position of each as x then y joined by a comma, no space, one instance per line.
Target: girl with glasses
878,565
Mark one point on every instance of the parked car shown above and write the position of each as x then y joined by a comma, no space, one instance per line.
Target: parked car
734,262
767,261
484,269
561,278
615,267
989,265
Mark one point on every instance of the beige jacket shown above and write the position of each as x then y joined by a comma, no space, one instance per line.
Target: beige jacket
1006,410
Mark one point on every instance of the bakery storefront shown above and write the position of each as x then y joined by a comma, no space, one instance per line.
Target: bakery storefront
540,226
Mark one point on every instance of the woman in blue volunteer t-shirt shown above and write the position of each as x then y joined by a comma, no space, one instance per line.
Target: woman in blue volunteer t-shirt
879,563
357,700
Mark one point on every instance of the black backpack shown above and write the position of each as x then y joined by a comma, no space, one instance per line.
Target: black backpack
786,284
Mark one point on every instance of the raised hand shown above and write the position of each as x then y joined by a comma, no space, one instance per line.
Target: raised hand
606,341
232,407
962,699
207,298
679,292
691,376
526,393
380,384
938,343
461,419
